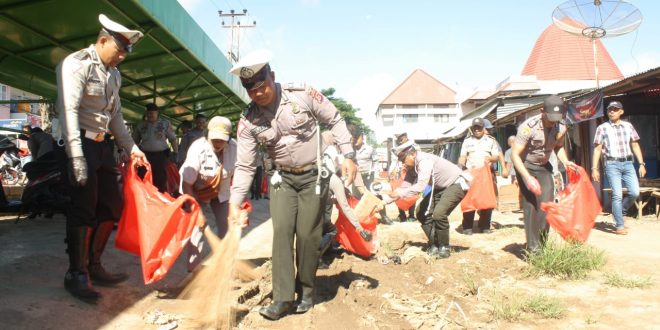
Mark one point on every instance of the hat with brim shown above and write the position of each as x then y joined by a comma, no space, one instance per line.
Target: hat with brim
219,128
615,105
253,69
401,149
554,108
124,36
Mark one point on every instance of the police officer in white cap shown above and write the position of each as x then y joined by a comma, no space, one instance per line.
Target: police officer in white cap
89,111
286,120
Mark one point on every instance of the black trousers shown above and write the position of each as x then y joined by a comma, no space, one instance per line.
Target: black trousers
101,199
255,189
158,161
444,202
536,227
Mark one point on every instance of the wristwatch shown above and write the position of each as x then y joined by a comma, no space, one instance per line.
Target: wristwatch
642,164
350,155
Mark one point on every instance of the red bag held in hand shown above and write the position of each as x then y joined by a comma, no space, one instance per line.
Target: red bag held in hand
481,195
407,202
350,238
153,226
575,213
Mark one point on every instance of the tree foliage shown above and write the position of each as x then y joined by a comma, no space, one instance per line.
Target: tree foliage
347,111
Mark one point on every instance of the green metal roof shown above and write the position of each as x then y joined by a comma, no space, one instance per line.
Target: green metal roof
175,65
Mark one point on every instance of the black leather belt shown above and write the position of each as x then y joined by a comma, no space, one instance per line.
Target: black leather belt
620,159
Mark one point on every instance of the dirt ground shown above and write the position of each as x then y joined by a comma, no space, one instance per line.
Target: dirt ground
353,293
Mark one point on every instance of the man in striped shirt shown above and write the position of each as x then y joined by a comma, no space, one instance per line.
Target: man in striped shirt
618,141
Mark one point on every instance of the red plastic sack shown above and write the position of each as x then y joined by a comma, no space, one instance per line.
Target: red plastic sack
350,238
575,213
264,184
173,178
481,195
407,202
153,225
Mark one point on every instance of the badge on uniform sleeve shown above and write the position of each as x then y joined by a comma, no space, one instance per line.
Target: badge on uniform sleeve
526,130
295,108
316,95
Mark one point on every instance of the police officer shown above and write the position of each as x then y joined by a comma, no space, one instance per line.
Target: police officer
152,136
537,137
89,111
448,189
286,120
191,136
477,151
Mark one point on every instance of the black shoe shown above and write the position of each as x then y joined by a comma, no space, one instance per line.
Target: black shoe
486,231
276,310
467,231
385,221
77,283
322,265
305,305
412,220
100,276
443,252
432,251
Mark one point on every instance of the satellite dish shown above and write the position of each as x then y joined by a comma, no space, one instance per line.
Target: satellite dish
596,19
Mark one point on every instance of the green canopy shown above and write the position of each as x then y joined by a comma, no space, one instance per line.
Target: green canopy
175,65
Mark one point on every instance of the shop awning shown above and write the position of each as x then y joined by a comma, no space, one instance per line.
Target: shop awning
466,121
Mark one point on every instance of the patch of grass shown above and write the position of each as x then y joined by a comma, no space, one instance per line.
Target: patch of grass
566,260
619,281
517,305
470,282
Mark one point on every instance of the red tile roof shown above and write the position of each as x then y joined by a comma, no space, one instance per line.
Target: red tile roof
559,55
421,88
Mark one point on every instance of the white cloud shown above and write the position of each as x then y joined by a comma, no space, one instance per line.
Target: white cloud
640,63
190,5
367,93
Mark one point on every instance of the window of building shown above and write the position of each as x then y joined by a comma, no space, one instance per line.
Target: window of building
441,118
4,92
388,120
410,118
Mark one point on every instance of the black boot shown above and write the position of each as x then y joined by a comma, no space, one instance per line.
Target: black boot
384,219
429,231
442,241
276,310
76,279
306,301
97,273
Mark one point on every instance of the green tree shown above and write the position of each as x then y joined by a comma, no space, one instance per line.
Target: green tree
346,110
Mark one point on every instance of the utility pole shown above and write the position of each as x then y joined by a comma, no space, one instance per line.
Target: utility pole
234,49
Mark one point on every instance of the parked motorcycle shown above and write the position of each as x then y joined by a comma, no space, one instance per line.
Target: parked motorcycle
46,191
11,167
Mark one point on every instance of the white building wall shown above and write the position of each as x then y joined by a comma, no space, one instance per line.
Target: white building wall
431,120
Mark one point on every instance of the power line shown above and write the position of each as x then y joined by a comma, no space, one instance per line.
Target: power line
235,26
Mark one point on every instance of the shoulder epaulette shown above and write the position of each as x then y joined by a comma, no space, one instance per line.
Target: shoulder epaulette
532,122
294,86
81,54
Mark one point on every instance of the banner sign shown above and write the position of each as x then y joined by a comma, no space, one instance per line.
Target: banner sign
587,107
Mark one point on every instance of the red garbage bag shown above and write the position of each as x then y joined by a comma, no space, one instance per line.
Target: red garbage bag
173,178
154,226
350,238
407,202
575,213
481,195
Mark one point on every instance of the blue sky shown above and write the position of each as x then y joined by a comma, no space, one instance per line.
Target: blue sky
364,49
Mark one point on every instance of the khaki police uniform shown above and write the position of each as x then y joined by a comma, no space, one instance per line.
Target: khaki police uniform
477,151
539,143
152,139
89,111
288,129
